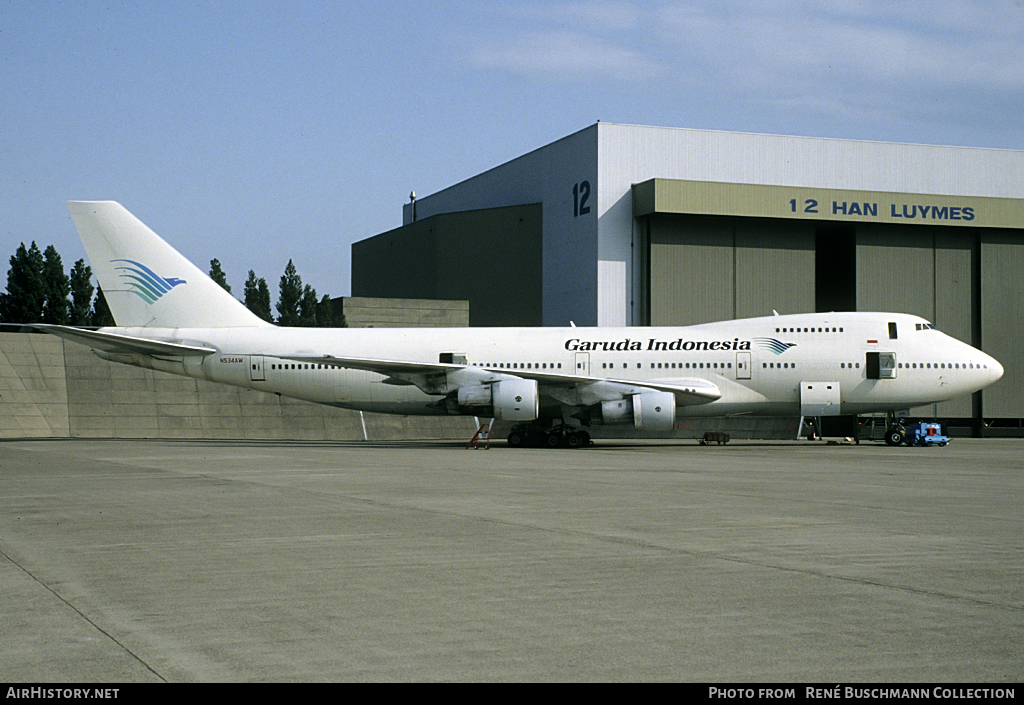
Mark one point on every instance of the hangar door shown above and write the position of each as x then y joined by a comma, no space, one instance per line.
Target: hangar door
714,268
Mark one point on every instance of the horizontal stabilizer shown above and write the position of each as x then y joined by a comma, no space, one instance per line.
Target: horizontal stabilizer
116,343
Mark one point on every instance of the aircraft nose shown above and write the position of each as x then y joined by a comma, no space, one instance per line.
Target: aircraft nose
995,369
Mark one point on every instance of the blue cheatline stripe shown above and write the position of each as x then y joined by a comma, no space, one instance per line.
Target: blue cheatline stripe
141,287
143,294
144,282
774,345
142,270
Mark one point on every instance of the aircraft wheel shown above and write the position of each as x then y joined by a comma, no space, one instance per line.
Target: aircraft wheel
895,436
553,440
574,440
516,439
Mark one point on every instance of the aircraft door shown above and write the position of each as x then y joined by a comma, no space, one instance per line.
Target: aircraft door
256,373
742,365
881,365
819,399
583,363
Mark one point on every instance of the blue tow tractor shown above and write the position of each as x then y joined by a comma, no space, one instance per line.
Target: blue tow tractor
925,434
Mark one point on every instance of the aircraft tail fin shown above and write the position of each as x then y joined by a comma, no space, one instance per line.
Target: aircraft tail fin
146,282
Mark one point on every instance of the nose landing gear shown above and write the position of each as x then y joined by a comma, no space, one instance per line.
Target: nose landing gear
895,436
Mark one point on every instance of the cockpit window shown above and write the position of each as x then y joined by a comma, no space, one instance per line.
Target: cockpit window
924,326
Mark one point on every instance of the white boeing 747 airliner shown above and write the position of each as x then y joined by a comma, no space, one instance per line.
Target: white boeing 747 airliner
551,383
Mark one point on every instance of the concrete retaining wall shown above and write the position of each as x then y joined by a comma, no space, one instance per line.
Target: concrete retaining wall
33,387
50,388
361,312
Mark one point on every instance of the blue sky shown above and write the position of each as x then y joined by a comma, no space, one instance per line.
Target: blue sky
258,132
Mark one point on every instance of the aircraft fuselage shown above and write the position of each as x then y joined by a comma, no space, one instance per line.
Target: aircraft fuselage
762,366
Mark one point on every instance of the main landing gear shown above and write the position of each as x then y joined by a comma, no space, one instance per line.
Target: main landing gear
560,436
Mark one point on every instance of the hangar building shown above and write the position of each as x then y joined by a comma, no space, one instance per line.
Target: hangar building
628,225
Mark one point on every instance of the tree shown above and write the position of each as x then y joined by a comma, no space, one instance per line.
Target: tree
101,315
289,296
217,274
26,296
56,287
307,307
81,294
325,317
257,297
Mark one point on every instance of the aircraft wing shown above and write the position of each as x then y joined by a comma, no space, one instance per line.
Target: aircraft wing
393,368
579,390
117,343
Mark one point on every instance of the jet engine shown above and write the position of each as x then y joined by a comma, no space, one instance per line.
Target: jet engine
507,400
648,411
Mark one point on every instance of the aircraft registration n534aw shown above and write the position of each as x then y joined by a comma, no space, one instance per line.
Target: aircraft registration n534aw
551,383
